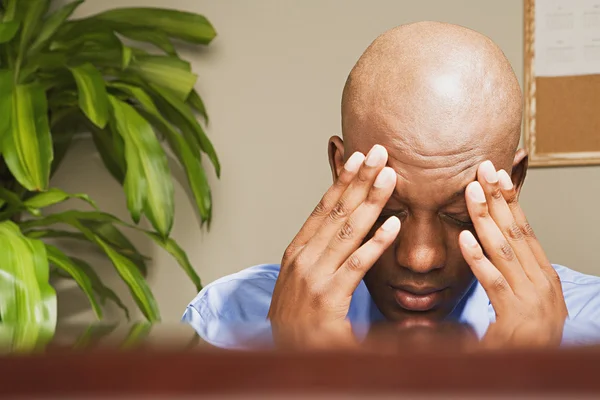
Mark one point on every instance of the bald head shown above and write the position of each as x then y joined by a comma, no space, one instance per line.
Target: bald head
433,89
441,99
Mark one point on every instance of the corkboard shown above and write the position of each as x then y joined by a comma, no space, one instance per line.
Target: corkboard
562,114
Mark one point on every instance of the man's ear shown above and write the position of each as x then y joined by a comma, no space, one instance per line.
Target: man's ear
336,156
519,169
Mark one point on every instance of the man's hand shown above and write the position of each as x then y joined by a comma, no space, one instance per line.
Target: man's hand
522,285
325,262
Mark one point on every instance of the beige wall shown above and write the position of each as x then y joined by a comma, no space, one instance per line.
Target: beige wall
272,82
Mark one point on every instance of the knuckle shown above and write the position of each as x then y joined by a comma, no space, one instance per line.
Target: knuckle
496,193
354,263
318,299
339,211
505,251
514,232
319,295
553,277
320,210
343,179
527,231
548,288
511,198
303,260
288,254
346,232
499,284
482,212
363,176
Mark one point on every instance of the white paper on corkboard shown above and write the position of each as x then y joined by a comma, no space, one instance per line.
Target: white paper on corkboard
567,37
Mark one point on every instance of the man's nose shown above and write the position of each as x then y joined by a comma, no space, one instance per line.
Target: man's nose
421,248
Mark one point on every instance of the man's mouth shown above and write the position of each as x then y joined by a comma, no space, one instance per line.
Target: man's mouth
413,298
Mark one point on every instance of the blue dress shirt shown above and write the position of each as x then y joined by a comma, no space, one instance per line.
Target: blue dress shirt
231,312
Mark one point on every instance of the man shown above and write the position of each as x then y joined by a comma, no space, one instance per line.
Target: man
422,222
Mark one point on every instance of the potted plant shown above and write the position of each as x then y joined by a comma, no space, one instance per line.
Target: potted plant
60,76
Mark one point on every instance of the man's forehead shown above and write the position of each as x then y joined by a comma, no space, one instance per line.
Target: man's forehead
433,187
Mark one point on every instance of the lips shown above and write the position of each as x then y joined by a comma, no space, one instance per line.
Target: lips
418,298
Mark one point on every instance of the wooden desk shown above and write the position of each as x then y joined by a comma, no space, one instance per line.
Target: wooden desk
168,372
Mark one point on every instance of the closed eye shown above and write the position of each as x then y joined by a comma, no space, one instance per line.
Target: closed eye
385,214
460,221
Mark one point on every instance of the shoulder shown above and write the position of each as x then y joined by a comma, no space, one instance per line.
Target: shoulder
581,292
240,296
232,311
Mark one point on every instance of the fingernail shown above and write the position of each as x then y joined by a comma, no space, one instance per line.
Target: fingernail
489,172
504,179
392,224
354,162
385,177
375,156
469,239
476,192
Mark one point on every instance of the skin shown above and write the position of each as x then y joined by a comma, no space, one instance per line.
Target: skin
436,109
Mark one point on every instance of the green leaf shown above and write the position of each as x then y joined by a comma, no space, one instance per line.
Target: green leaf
54,196
103,139
93,99
60,260
138,94
126,57
10,8
6,104
148,176
135,281
125,267
183,25
27,148
11,198
90,223
71,216
100,223
189,157
99,56
109,233
26,338
87,39
47,61
34,11
27,301
51,25
157,38
177,252
186,153
171,74
189,122
103,291
52,233
8,30
61,143
196,102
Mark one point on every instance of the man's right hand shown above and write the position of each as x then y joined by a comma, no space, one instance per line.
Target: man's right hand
327,259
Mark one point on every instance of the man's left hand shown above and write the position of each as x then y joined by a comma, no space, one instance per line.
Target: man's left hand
512,267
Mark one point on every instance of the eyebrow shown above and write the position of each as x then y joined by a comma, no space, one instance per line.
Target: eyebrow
458,194
455,196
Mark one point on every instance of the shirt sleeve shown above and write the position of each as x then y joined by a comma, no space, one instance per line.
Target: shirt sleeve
582,327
